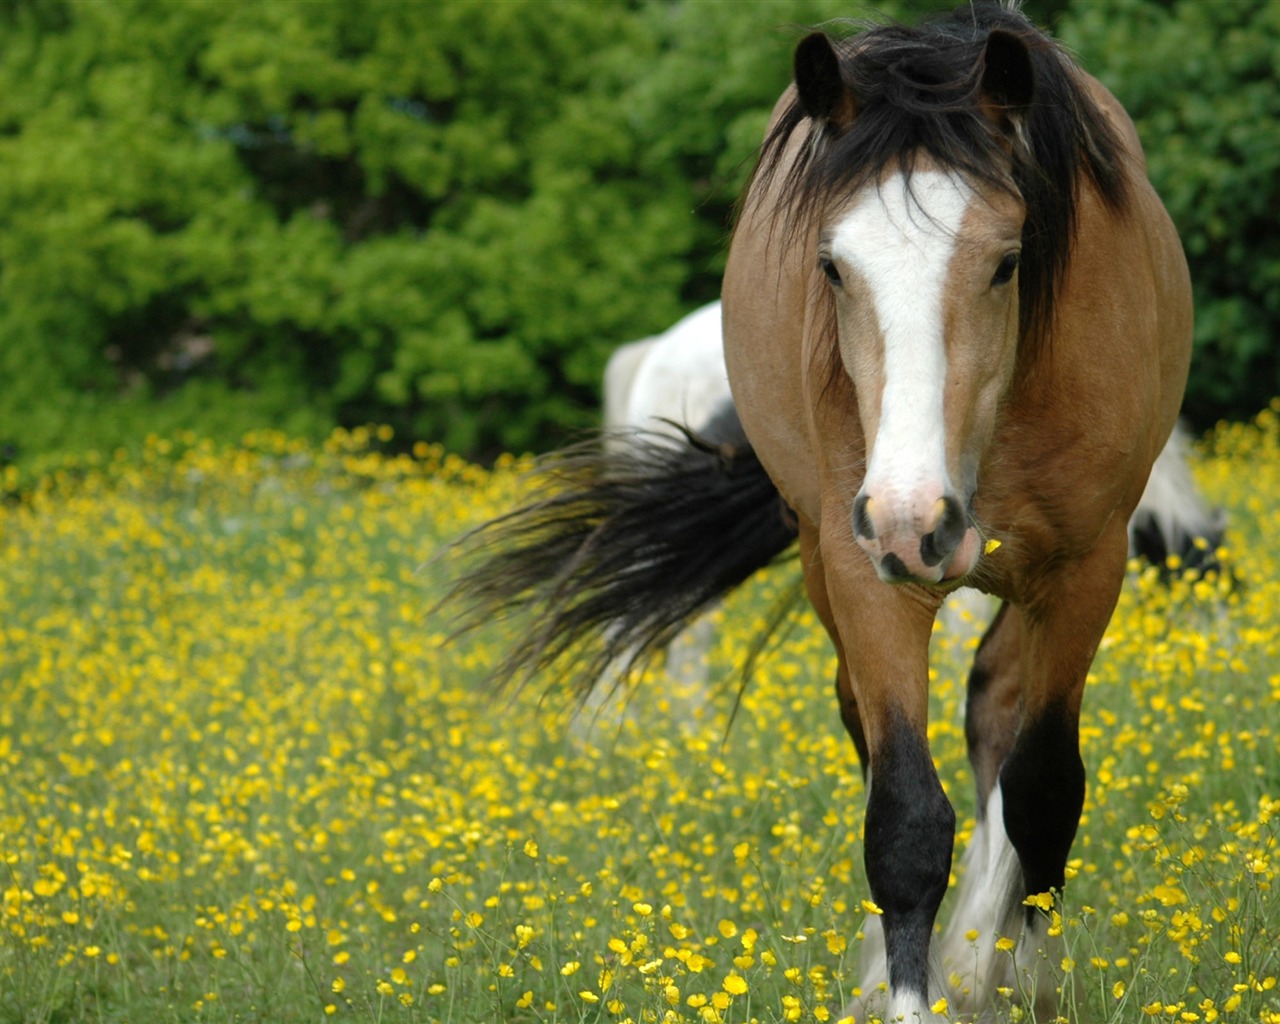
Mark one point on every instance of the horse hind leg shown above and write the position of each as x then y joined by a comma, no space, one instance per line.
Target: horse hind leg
1041,661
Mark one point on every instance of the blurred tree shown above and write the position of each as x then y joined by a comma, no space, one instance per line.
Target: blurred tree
431,214
446,215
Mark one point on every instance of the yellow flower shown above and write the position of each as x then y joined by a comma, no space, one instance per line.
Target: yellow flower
1042,900
696,962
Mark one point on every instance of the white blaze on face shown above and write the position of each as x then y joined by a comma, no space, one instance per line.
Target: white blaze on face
900,240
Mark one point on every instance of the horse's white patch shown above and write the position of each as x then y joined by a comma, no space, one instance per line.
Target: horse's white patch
900,239
1034,973
878,999
988,907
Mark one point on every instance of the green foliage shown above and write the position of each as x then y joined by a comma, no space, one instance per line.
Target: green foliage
1199,80
429,214
445,216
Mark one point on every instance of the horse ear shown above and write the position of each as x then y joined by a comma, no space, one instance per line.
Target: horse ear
823,94
1008,78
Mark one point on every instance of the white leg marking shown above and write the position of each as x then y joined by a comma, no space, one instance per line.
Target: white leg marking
1031,972
875,964
989,904
878,998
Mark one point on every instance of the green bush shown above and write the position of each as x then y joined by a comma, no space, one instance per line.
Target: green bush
445,216
429,214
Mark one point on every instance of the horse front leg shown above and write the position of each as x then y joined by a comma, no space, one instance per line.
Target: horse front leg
815,582
882,633
988,904
1031,781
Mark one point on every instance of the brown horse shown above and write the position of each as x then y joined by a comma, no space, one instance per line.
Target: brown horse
957,324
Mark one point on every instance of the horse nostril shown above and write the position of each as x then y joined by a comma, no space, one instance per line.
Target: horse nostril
862,525
894,568
935,547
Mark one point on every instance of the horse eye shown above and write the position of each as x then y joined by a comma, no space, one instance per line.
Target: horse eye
1004,272
829,268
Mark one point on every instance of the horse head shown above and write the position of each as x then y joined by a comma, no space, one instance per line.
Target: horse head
921,262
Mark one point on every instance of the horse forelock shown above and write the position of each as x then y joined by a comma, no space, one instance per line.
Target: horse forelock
917,93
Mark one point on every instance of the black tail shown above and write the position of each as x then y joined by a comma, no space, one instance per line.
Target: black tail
622,547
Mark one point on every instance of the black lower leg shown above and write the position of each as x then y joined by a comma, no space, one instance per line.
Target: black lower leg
910,830
1043,785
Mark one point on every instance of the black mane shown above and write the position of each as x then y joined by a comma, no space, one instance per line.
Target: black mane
917,92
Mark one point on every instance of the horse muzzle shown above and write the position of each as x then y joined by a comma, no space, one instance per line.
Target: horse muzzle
917,540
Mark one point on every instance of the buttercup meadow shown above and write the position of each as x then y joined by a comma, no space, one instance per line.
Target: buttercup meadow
247,774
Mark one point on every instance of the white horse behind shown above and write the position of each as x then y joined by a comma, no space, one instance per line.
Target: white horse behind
678,379
678,376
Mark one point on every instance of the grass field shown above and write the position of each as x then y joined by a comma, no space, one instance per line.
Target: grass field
245,776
